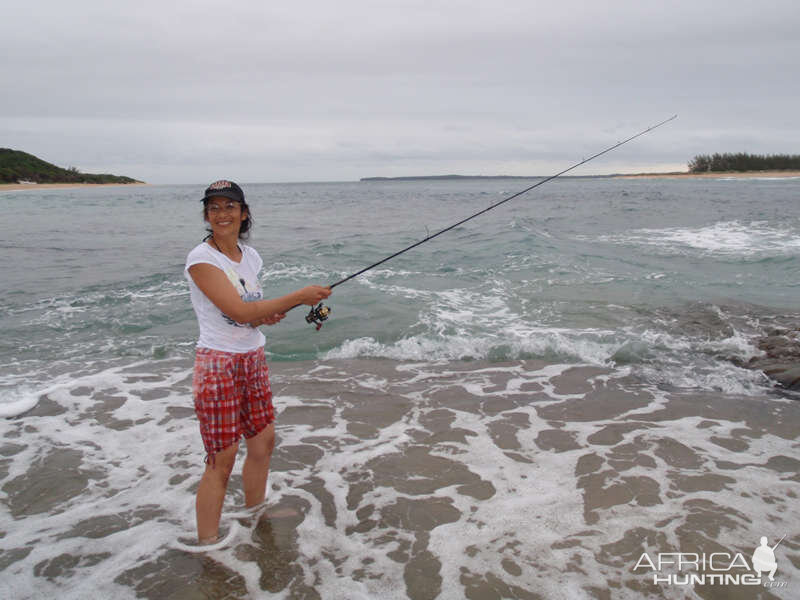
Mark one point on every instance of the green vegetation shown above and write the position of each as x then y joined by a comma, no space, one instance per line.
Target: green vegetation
16,165
702,163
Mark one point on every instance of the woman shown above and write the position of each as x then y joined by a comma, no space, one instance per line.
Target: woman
231,389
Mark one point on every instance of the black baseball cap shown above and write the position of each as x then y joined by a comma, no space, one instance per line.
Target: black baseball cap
224,188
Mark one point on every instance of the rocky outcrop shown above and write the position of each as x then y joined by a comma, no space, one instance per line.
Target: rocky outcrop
781,359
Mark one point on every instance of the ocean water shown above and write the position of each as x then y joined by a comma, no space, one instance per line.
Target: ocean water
441,435
671,278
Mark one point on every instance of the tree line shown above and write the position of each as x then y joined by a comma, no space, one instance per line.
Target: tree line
742,161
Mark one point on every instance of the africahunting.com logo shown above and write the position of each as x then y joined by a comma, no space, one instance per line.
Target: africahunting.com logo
716,568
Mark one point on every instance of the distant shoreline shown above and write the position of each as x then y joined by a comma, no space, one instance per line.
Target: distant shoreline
14,187
670,175
461,177
710,175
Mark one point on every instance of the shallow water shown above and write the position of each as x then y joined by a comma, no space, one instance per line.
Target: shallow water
514,479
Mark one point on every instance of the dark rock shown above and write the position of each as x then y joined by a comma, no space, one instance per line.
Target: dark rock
781,359
790,378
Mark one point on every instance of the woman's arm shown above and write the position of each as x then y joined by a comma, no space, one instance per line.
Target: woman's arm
218,288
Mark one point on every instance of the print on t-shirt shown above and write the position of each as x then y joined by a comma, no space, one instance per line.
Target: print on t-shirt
247,290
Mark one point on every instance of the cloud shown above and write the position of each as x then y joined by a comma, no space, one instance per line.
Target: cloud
331,91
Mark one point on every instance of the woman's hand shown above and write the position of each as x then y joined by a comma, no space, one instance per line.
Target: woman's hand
274,319
271,320
313,294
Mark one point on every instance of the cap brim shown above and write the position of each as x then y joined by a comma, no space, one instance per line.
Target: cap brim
222,194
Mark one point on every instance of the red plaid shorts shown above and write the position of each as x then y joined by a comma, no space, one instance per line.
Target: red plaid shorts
232,397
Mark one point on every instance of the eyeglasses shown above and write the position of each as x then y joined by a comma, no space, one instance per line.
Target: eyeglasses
229,206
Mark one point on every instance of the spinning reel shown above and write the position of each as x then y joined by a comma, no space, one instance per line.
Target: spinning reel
318,314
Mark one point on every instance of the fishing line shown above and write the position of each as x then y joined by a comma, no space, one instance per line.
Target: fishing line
320,313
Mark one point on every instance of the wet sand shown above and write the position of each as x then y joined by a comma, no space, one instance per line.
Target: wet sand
456,480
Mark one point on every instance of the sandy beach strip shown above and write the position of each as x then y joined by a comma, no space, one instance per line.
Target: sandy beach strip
711,175
15,187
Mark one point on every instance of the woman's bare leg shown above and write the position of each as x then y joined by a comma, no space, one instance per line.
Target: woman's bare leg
256,465
211,494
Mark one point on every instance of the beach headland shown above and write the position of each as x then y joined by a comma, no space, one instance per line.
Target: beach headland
15,187
24,169
710,175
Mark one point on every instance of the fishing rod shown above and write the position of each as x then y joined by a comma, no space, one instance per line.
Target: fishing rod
320,313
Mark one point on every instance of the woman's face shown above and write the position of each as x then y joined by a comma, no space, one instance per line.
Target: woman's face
224,215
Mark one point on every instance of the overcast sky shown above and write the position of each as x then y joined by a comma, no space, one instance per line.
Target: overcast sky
187,92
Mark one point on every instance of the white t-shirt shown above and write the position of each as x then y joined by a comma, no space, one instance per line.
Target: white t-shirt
217,330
